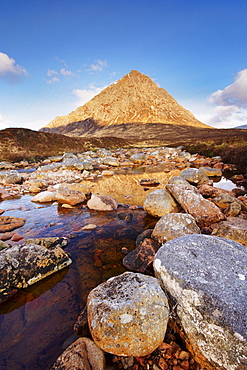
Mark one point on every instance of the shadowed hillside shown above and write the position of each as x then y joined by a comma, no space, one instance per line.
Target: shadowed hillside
18,143
231,144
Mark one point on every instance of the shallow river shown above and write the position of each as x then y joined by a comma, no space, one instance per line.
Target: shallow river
37,323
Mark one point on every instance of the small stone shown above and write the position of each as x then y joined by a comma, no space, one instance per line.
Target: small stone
89,227
16,237
66,205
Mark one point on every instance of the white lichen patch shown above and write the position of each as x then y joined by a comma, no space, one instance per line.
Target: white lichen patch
125,318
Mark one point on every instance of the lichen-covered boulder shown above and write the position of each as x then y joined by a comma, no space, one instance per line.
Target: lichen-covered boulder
204,211
173,225
128,314
206,276
102,203
160,202
194,176
21,266
83,354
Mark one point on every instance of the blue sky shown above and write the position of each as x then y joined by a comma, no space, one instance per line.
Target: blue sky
57,54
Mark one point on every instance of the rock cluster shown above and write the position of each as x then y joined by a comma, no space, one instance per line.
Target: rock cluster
199,284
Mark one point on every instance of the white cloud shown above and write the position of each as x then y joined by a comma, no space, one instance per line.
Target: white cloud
9,70
51,72
55,75
229,106
234,94
97,66
52,80
66,73
87,94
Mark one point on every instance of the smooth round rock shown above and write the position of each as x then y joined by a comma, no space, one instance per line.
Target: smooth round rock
128,314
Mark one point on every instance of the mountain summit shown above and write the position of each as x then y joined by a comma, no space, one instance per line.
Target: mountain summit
135,98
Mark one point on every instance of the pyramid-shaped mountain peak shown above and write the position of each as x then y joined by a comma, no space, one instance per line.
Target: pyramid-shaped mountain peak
135,98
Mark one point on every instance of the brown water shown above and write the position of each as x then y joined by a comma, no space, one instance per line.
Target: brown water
37,323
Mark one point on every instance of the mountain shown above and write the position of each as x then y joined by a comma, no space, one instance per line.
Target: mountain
134,99
242,127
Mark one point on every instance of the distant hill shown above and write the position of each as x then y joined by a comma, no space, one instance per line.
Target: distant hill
19,143
134,99
242,127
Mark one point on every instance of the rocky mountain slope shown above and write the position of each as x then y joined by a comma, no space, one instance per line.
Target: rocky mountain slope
134,99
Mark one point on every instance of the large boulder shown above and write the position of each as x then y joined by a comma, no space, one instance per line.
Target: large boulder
21,266
10,177
206,276
82,354
69,196
128,314
44,197
160,202
194,176
204,211
234,228
173,225
102,203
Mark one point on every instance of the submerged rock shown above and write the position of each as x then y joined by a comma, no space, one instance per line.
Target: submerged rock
21,266
83,354
8,223
128,314
206,276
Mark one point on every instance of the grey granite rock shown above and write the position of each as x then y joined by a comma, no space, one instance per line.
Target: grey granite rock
207,275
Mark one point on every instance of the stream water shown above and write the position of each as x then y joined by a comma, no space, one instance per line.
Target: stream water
37,323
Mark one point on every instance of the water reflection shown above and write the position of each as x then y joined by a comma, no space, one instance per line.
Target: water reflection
36,321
